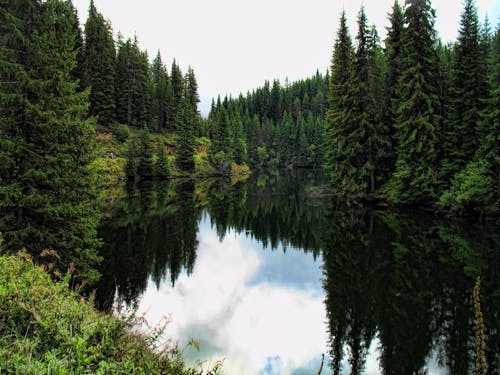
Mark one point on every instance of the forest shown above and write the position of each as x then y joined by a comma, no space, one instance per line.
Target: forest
87,118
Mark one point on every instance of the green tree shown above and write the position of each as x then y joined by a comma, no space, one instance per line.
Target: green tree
185,123
162,167
133,152
476,187
238,142
145,162
417,115
99,57
341,142
160,100
133,94
177,82
466,95
46,184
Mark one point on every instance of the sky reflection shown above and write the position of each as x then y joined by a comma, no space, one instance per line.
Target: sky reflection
260,310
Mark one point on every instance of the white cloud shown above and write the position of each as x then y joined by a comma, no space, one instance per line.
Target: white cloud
236,318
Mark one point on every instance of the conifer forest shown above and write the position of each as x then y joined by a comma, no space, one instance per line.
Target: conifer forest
111,175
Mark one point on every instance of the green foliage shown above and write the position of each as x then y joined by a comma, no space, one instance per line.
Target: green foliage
417,116
45,328
470,188
133,153
133,94
467,95
186,125
162,167
122,133
47,187
262,154
145,160
99,62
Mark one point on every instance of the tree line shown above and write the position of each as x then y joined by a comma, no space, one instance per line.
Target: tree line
416,122
283,125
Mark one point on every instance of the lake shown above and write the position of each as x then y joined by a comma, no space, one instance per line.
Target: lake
267,275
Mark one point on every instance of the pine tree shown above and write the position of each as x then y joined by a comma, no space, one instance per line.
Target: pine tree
78,72
133,87
177,83
99,57
466,96
46,184
238,144
159,103
477,186
192,89
145,162
417,115
339,149
162,167
186,130
133,152
394,53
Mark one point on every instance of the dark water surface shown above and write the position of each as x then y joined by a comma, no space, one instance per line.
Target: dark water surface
267,276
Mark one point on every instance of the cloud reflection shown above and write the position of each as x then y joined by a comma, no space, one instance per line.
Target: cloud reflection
256,308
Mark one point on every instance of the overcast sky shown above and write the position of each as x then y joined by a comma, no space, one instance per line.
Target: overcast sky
234,45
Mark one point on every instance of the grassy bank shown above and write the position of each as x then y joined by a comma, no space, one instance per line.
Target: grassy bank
111,153
47,329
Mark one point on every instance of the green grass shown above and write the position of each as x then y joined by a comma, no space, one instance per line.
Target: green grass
45,328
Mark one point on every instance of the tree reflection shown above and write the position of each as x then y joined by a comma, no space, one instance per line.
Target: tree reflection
408,281
150,234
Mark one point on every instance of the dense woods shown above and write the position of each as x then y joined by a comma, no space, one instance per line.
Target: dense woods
416,122
283,125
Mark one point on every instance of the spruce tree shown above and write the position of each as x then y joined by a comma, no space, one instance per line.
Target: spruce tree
186,125
177,82
132,161
145,161
466,95
99,60
46,184
238,142
417,115
476,188
394,55
339,149
162,167
159,104
133,94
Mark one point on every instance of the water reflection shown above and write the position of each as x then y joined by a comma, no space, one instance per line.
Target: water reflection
379,292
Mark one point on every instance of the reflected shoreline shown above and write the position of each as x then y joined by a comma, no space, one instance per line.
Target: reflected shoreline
402,280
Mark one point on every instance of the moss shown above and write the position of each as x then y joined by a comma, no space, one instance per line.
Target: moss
46,328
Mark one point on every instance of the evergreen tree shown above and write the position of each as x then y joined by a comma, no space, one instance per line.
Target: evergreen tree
341,143
46,184
187,131
133,94
192,89
466,95
162,168
238,144
145,162
99,55
394,53
417,115
133,152
78,72
177,83
159,101
477,186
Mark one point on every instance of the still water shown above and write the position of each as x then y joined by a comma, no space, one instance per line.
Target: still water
268,276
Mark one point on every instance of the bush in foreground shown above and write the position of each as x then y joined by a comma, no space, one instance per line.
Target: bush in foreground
47,329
